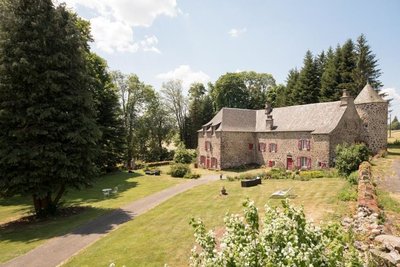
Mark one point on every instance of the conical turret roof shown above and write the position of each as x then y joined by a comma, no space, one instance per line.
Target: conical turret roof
368,95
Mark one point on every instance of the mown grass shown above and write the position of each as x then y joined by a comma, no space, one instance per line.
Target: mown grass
163,234
18,239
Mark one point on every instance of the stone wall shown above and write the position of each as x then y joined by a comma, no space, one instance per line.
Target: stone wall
235,149
374,125
232,148
215,151
287,144
347,130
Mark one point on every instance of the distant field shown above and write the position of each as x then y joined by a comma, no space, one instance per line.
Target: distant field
163,235
395,135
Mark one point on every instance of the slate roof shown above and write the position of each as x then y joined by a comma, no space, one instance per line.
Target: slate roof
368,95
319,118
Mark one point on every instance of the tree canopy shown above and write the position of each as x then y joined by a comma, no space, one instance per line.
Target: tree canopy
47,113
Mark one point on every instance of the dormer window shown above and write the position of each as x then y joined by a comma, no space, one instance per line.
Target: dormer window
213,130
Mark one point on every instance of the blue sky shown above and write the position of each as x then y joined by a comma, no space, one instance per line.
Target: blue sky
201,40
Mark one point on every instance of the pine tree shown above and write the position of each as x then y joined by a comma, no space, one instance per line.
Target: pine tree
306,90
320,64
366,69
291,83
49,133
331,77
346,68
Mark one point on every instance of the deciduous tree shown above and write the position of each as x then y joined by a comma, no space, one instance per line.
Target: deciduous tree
47,116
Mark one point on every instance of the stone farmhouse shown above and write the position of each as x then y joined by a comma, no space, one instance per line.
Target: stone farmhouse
303,136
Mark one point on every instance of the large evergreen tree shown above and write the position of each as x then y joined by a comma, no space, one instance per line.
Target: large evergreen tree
346,68
306,90
291,83
366,69
49,133
331,76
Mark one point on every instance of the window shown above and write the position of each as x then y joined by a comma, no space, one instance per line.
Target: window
304,163
273,147
213,163
202,160
250,146
261,147
322,164
212,130
208,146
304,144
271,163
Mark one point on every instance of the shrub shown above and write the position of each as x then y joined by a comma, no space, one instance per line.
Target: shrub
286,239
278,173
348,193
312,174
179,170
353,178
158,163
348,157
191,176
231,178
183,155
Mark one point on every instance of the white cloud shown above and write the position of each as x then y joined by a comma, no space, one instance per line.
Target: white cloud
237,32
394,94
121,34
186,75
114,21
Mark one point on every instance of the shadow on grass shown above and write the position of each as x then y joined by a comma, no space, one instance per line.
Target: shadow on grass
87,220
122,180
393,153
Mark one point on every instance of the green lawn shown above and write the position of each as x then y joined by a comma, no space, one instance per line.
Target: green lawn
15,241
163,234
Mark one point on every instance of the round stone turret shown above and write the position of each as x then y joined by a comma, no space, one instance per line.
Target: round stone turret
373,111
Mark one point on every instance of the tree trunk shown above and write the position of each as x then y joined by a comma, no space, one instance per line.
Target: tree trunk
59,195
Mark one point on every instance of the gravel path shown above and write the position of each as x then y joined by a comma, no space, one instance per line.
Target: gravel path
59,249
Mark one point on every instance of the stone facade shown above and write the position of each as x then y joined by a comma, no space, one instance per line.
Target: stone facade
293,137
374,118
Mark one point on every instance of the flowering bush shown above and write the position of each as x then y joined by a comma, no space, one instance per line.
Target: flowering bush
285,239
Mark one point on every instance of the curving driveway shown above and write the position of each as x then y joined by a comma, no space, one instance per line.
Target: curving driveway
59,249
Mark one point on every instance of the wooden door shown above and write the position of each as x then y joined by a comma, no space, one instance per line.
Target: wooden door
289,165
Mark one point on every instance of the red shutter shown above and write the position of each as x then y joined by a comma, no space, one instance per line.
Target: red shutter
299,144
309,163
298,162
259,146
308,145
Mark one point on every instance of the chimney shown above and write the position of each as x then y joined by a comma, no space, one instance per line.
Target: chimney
346,98
269,122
